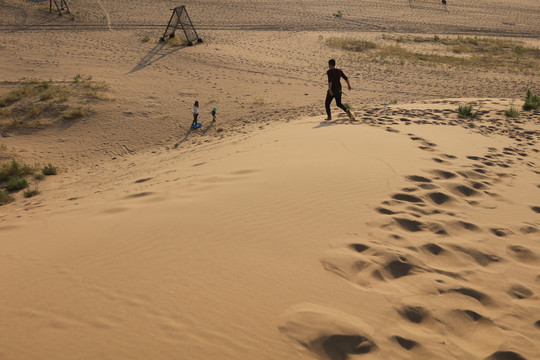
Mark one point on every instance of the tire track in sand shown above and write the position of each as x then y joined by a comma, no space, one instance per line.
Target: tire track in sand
106,14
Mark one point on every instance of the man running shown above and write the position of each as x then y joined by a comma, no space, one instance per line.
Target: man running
334,89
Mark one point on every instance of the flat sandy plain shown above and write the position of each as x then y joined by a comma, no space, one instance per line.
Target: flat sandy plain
271,234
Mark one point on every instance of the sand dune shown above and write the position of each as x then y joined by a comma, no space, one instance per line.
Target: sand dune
410,233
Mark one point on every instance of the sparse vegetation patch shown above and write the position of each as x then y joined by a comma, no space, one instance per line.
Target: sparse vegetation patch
16,176
475,52
38,102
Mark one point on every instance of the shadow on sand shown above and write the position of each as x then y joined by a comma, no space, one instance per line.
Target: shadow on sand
327,123
156,53
201,133
440,7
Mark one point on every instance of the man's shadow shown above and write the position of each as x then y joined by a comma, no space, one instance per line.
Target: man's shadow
156,53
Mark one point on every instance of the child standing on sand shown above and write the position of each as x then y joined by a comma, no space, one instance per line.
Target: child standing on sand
213,112
195,113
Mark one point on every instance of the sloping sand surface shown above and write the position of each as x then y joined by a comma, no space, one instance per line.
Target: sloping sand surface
202,256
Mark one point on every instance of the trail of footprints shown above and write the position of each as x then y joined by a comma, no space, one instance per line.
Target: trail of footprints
431,205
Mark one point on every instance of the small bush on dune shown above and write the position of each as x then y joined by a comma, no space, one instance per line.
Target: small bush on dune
16,183
5,198
532,101
14,169
49,169
511,112
338,14
39,177
145,38
466,111
31,193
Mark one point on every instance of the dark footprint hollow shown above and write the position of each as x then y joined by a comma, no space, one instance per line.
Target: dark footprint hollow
445,174
399,268
473,315
339,347
385,211
405,343
418,178
415,314
407,197
438,198
500,232
433,248
465,190
359,247
536,209
410,225
468,226
521,253
477,295
505,355
520,292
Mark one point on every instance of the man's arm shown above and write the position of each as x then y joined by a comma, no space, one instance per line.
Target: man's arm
347,80
348,84
330,88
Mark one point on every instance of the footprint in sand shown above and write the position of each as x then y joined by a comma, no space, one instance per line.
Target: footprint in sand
520,292
505,355
326,332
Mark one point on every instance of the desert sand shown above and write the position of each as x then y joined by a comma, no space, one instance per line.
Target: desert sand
410,233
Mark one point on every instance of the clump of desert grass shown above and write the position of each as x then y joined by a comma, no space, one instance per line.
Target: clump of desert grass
16,176
351,44
466,111
176,41
36,102
511,112
465,52
532,101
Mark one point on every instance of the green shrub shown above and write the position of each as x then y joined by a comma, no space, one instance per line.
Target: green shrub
145,38
49,170
30,193
532,101
5,198
39,176
338,14
511,112
14,169
16,183
465,111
